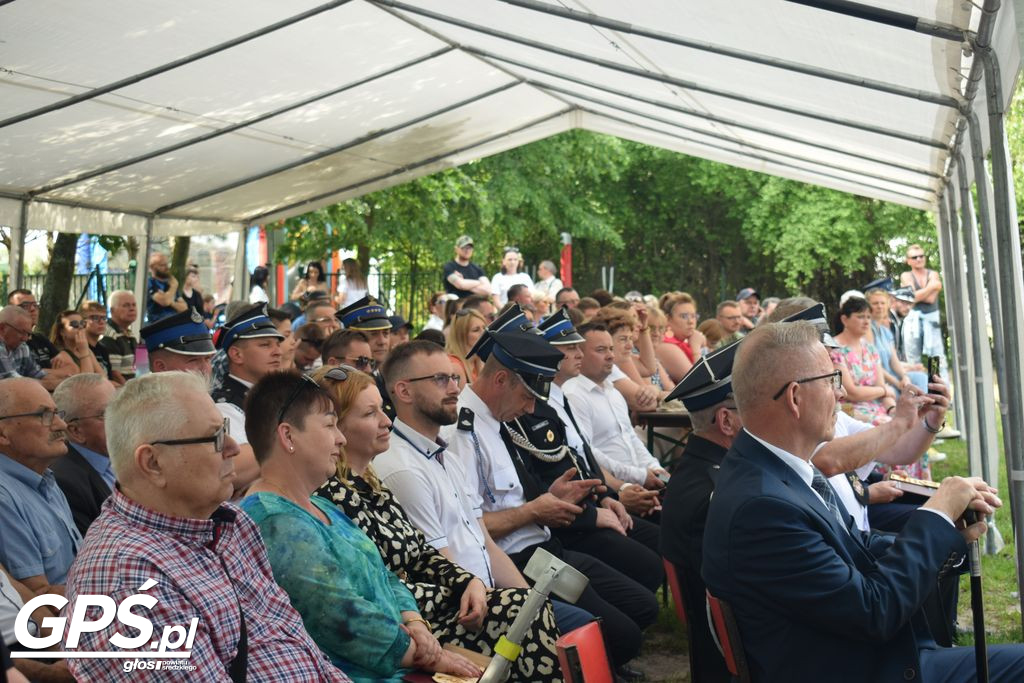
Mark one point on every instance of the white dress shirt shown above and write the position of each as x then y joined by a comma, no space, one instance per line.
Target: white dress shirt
491,474
603,417
430,484
235,415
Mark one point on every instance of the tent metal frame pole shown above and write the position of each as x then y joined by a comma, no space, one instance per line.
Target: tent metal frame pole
983,183
695,113
240,279
888,17
1011,294
19,233
945,245
981,351
768,160
661,78
248,123
740,142
263,217
142,276
338,148
163,68
954,274
721,50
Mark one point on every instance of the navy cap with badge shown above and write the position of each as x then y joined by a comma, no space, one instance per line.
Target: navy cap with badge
815,314
881,283
183,333
366,314
709,381
559,330
533,359
904,294
250,323
511,319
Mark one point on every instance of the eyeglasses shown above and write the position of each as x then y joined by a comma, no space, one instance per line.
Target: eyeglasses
29,305
441,379
323,319
304,384
45,416
916,257
362,362
690,316
100,417
836,377
217,439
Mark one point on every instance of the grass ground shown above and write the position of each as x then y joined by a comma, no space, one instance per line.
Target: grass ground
664,657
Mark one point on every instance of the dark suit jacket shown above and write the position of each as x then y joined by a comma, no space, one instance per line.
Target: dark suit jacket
82,486
812,599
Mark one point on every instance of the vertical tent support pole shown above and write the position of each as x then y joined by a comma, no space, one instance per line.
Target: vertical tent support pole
1011,291
958,375
981,353
240,281
959,381
960,330
142,276
17,255
983,182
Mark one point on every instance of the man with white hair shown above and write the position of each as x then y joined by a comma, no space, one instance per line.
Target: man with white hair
117,339
38,538
16,357
166,528
807,588
85,474
547,281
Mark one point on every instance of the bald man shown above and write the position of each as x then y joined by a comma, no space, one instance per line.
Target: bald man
38,538
809,589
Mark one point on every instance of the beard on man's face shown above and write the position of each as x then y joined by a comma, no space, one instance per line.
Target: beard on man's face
439,413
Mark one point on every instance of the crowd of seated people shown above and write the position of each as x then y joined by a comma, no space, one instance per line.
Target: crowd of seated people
247,459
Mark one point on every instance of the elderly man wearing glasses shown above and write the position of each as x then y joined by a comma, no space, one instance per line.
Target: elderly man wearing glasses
85,474
38,538
167,530
16,357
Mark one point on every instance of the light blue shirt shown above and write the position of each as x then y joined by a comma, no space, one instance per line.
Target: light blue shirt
37,533
98,462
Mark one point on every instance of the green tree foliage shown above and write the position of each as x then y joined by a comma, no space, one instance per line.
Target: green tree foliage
666,221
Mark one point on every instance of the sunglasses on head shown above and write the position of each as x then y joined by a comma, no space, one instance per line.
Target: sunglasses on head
306,383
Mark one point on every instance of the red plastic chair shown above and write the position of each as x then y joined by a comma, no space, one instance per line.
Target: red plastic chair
583,657
676,589
727,635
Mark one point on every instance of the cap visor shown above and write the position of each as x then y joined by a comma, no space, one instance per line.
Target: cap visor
199,347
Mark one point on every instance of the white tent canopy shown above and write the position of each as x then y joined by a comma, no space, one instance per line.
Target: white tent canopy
211,116
148,118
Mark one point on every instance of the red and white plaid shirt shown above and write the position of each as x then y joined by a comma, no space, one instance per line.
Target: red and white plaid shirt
204,568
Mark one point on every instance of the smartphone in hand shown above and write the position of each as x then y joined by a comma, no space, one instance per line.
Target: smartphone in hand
933,368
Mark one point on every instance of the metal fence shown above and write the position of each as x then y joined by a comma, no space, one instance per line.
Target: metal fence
93,285
405,293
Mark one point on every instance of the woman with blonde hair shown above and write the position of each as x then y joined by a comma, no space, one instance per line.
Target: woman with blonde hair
456,605
467,327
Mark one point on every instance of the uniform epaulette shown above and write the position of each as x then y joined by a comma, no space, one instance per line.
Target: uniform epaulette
466,417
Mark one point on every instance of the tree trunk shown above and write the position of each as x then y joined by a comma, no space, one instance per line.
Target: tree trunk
179,258
57,286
